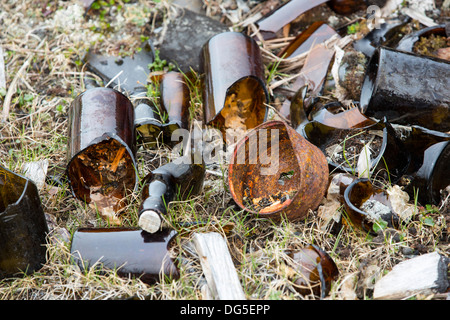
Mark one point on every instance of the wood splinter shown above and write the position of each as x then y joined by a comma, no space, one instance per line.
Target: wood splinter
218,267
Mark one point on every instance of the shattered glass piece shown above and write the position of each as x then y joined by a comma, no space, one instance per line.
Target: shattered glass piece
367,205
23,226
314,271
273,22
317,33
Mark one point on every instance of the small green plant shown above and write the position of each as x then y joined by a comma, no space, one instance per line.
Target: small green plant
159,64
354,28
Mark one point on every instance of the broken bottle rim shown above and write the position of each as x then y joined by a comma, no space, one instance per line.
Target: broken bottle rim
360,192
23,226
403,87
234,83
101,140
289,182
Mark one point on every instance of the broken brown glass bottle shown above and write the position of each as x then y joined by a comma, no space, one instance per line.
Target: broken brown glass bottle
159,120
344,136
101,150
314,271
407,89
23,227
427,41
234,90
388,34
130,252
274,172
176,180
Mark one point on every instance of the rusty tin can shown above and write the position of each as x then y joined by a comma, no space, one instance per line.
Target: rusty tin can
294,185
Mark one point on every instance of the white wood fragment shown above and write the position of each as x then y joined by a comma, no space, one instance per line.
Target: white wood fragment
218,267
425,274
36,171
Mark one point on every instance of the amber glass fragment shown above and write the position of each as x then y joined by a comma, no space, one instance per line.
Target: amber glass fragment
176,180
234,89
131,252
270,24
350,118
366,204
101,163
23,228
407,89
275,172
315,271
313,75
317,33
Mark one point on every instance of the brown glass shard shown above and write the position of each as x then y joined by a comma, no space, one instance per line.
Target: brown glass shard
101,165
317,33
23,227
273,22
313,75
234,86
128,74
407,89
131,252
314,271
274,172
